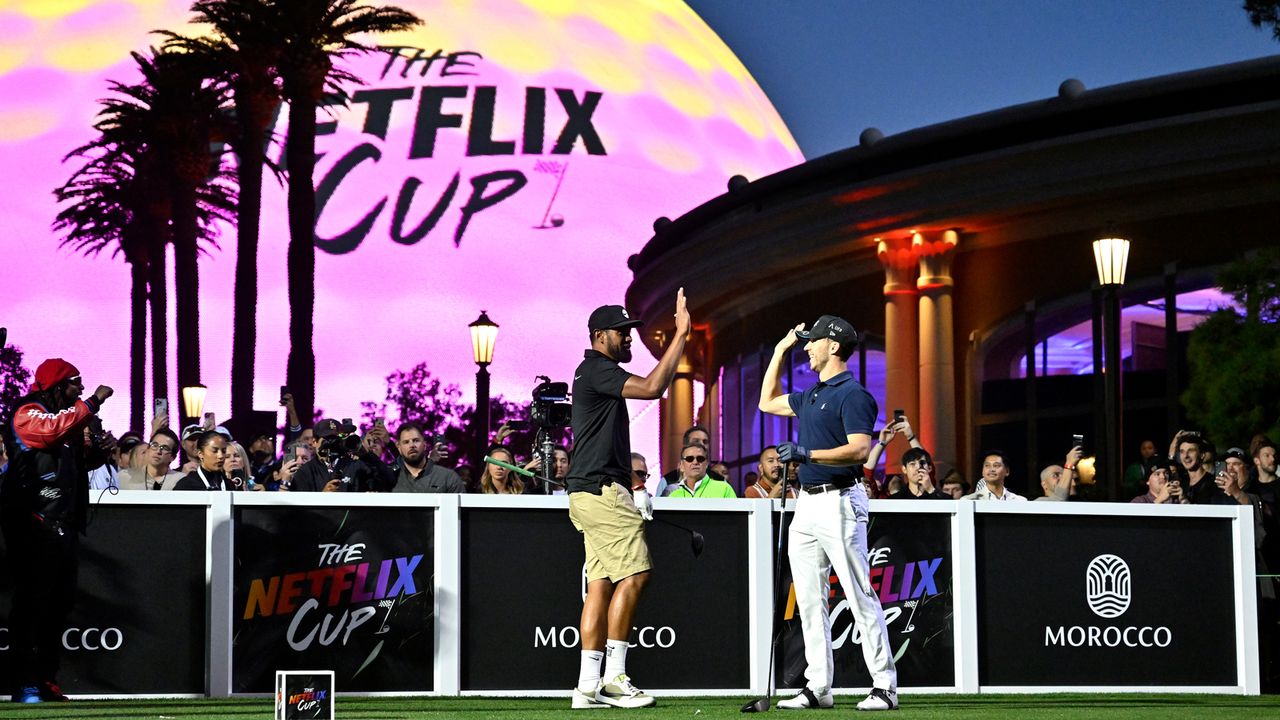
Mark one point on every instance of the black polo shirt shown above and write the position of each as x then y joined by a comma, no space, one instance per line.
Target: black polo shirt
601,426
828,413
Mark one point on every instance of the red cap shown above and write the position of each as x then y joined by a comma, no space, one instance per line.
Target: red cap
53,371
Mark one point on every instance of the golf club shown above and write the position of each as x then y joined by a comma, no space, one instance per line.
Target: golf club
762,704
698,542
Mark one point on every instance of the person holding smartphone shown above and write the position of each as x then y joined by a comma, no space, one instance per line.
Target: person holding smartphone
1162,487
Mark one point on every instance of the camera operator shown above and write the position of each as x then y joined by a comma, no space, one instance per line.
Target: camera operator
344,462
42,510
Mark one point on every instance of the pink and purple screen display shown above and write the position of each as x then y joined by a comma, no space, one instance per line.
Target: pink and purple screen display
509,157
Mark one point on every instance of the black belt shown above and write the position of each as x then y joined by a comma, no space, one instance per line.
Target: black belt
825,487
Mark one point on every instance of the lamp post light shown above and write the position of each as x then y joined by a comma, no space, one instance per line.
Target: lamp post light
1111,256
193,403
484,333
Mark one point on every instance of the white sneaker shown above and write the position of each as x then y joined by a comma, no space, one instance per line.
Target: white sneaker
880,700
586,700
619,692
806,700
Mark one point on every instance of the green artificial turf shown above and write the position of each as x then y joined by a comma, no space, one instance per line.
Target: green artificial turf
943,707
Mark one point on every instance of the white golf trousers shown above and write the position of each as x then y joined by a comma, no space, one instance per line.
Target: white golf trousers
829,531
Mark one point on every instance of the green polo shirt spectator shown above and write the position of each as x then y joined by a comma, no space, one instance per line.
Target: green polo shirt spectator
707,487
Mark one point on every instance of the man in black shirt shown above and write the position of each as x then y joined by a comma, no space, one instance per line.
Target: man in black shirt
605,505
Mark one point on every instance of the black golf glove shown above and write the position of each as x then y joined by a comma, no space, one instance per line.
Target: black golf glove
789,452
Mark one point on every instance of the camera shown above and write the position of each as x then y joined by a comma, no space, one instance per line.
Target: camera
549,409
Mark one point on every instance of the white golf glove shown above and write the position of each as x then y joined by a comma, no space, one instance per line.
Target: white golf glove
644,503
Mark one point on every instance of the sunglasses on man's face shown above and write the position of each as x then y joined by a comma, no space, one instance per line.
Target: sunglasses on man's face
695,458
642,474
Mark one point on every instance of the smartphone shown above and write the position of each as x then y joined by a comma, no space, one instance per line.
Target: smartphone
899,415
4,337
162,407
284,390
518,424
1219,468
209,422
1077,441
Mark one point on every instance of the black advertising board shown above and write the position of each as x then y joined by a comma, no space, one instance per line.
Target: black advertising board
138,625
1080,600
329,588
910,557
522,577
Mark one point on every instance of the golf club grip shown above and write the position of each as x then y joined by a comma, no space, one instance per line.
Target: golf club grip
509,466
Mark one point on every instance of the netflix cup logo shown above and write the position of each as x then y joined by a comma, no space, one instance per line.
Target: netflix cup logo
432,96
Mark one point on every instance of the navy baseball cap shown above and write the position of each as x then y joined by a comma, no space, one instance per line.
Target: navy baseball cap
830,327
611,317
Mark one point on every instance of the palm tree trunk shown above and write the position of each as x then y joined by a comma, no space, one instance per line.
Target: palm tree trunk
157,280
137,345
251,160
186,278
300,160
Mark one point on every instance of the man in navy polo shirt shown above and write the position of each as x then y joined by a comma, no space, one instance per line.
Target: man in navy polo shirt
829,530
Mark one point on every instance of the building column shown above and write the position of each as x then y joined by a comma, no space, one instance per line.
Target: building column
676,413
937,421
901,327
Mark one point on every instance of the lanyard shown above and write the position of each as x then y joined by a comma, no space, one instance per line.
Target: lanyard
207,484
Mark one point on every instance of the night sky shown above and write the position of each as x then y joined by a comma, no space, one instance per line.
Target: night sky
835,67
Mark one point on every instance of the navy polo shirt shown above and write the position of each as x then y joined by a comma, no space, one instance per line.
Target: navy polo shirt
829,412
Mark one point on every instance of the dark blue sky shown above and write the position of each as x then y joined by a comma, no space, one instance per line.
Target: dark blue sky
835,67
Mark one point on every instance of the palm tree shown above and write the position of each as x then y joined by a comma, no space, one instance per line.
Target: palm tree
317,33
163,128
106,206
242,53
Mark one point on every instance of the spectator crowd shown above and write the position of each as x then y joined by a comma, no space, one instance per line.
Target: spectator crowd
335,456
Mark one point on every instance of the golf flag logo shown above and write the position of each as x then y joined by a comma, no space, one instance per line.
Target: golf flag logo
1107,586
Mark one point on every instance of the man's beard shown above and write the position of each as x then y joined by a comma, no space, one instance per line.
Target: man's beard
622,353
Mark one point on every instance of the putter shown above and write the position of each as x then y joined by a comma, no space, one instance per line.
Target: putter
762,704
695,538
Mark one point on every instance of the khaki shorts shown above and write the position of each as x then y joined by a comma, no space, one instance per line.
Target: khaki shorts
612,533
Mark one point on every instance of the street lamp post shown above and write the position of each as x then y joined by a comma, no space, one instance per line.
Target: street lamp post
192,404
484,333
1111,256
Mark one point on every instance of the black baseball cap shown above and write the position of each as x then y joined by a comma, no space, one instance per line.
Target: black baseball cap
832,327
330,427
1236,453
611,317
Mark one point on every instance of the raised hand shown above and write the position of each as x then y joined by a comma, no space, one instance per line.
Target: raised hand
683,322
789,339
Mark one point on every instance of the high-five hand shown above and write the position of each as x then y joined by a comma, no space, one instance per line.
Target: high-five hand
682,314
